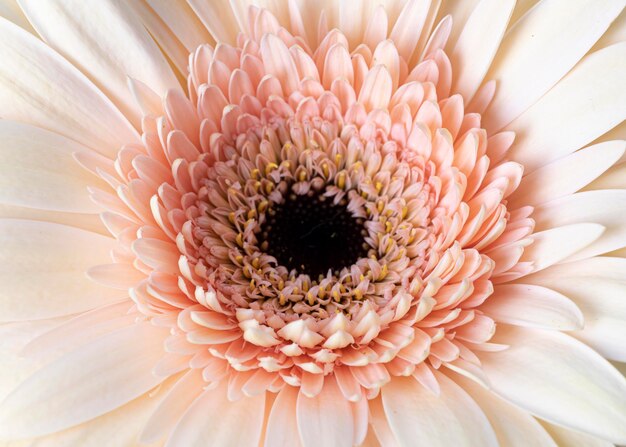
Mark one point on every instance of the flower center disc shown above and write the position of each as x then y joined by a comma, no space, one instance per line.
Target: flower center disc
312,235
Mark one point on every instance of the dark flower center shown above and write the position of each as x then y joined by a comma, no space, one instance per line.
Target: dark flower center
312,235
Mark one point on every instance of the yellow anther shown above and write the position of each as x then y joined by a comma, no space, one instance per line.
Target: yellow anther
357,294
379,187
269,187
257,186
270,167
252,284
286,164
338,159
302,175
361,277
336,295
254,174
341,180
405,211
321,293
380,205
239,259
296,290
239,239
256,263
388,227
263,206
281,299
412,236
325,169
281,284
251,214
310,298
383,272
246,271
231,217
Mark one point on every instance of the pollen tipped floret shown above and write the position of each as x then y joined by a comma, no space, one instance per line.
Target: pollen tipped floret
279,120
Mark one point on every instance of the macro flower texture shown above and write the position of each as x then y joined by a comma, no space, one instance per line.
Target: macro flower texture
335,223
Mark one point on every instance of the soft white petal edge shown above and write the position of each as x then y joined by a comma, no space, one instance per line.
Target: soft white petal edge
559,379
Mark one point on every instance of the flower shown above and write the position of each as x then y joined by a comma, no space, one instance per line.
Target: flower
355,225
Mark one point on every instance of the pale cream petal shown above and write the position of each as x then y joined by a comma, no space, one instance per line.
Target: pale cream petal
560,242
107,42
602,302
14,367
173,48
601,267
477,45
37,170
119,428
183,22
172,407
84,383
419,417
575,112
460,12
557,378
39,87
410,24
566,175
533,306
79,330
325,419
570,438
42,270
616,33
10,10
219,20
521,8
542,47
606,208
282,426
513,427
614,178
213,420
88,222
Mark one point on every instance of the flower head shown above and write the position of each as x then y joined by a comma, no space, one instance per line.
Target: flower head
358,225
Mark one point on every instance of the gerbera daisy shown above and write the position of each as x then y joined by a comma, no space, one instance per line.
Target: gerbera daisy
336,223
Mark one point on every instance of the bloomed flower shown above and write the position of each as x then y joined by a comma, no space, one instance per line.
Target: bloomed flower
314,243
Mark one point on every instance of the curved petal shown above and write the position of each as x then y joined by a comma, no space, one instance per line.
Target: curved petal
66,103
563,120
606,208
84,384
559,379
602,302
42,270
418,417
325,419
88,222
566,437
560,242
213,420
107,42
183,22
532,306
37,170
542,47
477,45
282,426
513,427
566,175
